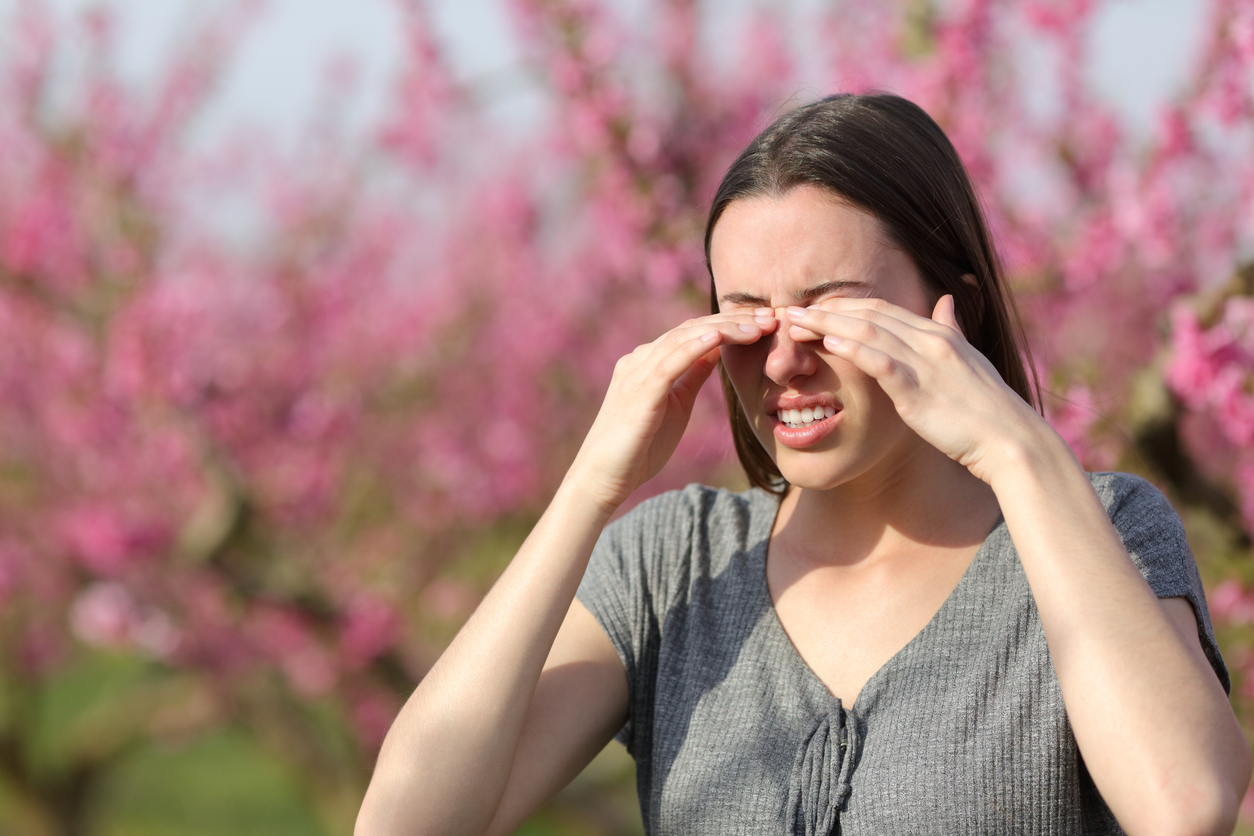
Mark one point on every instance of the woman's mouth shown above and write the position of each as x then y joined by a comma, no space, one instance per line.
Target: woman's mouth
799,428
795,419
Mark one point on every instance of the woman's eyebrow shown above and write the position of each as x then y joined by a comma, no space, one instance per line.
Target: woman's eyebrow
803,296
746,299
811,293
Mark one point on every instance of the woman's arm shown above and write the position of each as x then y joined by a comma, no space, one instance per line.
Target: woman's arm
447,761
1152,722
530,689
1150,717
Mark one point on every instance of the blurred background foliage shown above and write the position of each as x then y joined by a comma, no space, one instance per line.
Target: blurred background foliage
274,415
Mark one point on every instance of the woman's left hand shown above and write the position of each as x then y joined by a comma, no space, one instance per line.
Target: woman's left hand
943,388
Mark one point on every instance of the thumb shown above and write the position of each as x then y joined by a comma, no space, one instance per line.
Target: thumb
944,312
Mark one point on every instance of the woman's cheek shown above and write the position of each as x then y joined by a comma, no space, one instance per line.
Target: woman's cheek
745,366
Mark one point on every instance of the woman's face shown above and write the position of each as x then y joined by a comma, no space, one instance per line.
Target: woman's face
800,249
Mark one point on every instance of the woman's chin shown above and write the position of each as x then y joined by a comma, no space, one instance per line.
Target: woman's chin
814,483
812,478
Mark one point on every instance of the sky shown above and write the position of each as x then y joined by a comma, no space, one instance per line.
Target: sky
1140,49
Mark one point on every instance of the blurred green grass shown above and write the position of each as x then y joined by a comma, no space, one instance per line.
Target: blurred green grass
225,785
221,781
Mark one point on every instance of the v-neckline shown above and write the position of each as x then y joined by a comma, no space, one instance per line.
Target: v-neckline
781,634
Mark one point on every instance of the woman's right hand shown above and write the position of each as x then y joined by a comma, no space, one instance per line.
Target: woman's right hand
650,400
488,735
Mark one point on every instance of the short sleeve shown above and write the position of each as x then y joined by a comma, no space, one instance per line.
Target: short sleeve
1154,537
636,569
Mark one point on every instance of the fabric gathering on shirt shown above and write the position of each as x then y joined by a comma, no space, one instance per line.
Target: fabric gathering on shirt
962,731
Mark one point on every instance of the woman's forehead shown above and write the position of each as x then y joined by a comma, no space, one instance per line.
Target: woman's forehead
798,241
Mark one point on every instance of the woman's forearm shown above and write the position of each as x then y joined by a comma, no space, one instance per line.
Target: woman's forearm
1151,720
446,761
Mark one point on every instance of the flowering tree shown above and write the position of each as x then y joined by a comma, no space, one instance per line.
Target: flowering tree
280,468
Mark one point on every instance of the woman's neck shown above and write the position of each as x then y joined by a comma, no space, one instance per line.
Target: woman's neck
932,503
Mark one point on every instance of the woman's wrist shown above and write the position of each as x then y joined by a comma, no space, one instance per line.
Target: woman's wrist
1035,454
585,493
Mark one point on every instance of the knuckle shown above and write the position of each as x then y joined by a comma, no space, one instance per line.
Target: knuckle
943,344
670,366
866,331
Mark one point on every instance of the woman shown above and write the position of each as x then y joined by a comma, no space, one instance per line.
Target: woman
921,618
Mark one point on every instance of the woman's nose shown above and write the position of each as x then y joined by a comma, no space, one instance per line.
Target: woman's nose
787,359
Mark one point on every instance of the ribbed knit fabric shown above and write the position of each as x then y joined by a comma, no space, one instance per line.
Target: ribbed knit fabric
961,732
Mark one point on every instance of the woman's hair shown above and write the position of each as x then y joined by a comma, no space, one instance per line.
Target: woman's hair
885,155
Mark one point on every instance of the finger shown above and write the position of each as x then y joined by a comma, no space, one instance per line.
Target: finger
944,312
854,303
753,324
871,325
803,335
762,317
719,329
666,364
881,333
876,309
691,381
892,374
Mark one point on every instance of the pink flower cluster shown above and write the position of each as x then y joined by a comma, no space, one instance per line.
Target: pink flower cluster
1212,371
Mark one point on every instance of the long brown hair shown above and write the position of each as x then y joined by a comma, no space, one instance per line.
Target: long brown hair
885,155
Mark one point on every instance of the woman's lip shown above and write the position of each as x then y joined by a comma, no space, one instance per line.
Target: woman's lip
801,437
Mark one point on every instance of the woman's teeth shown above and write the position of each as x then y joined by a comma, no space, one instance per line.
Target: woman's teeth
803,417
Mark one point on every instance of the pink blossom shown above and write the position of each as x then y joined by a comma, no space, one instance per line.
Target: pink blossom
370,628
1245,485
1075,418
1229,602
447,600
278,632
104,614
310,671
107,540
372,715
156,634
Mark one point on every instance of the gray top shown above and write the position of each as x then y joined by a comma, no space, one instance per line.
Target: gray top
962,731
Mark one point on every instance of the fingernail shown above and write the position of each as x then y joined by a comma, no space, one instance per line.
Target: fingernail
764,320
765,312
708,336
796,312
749,329
830,343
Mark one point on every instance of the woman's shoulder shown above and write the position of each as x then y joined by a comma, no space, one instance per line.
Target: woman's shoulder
1151,531
690,532
654,551
1114,487
1131,500
701,506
